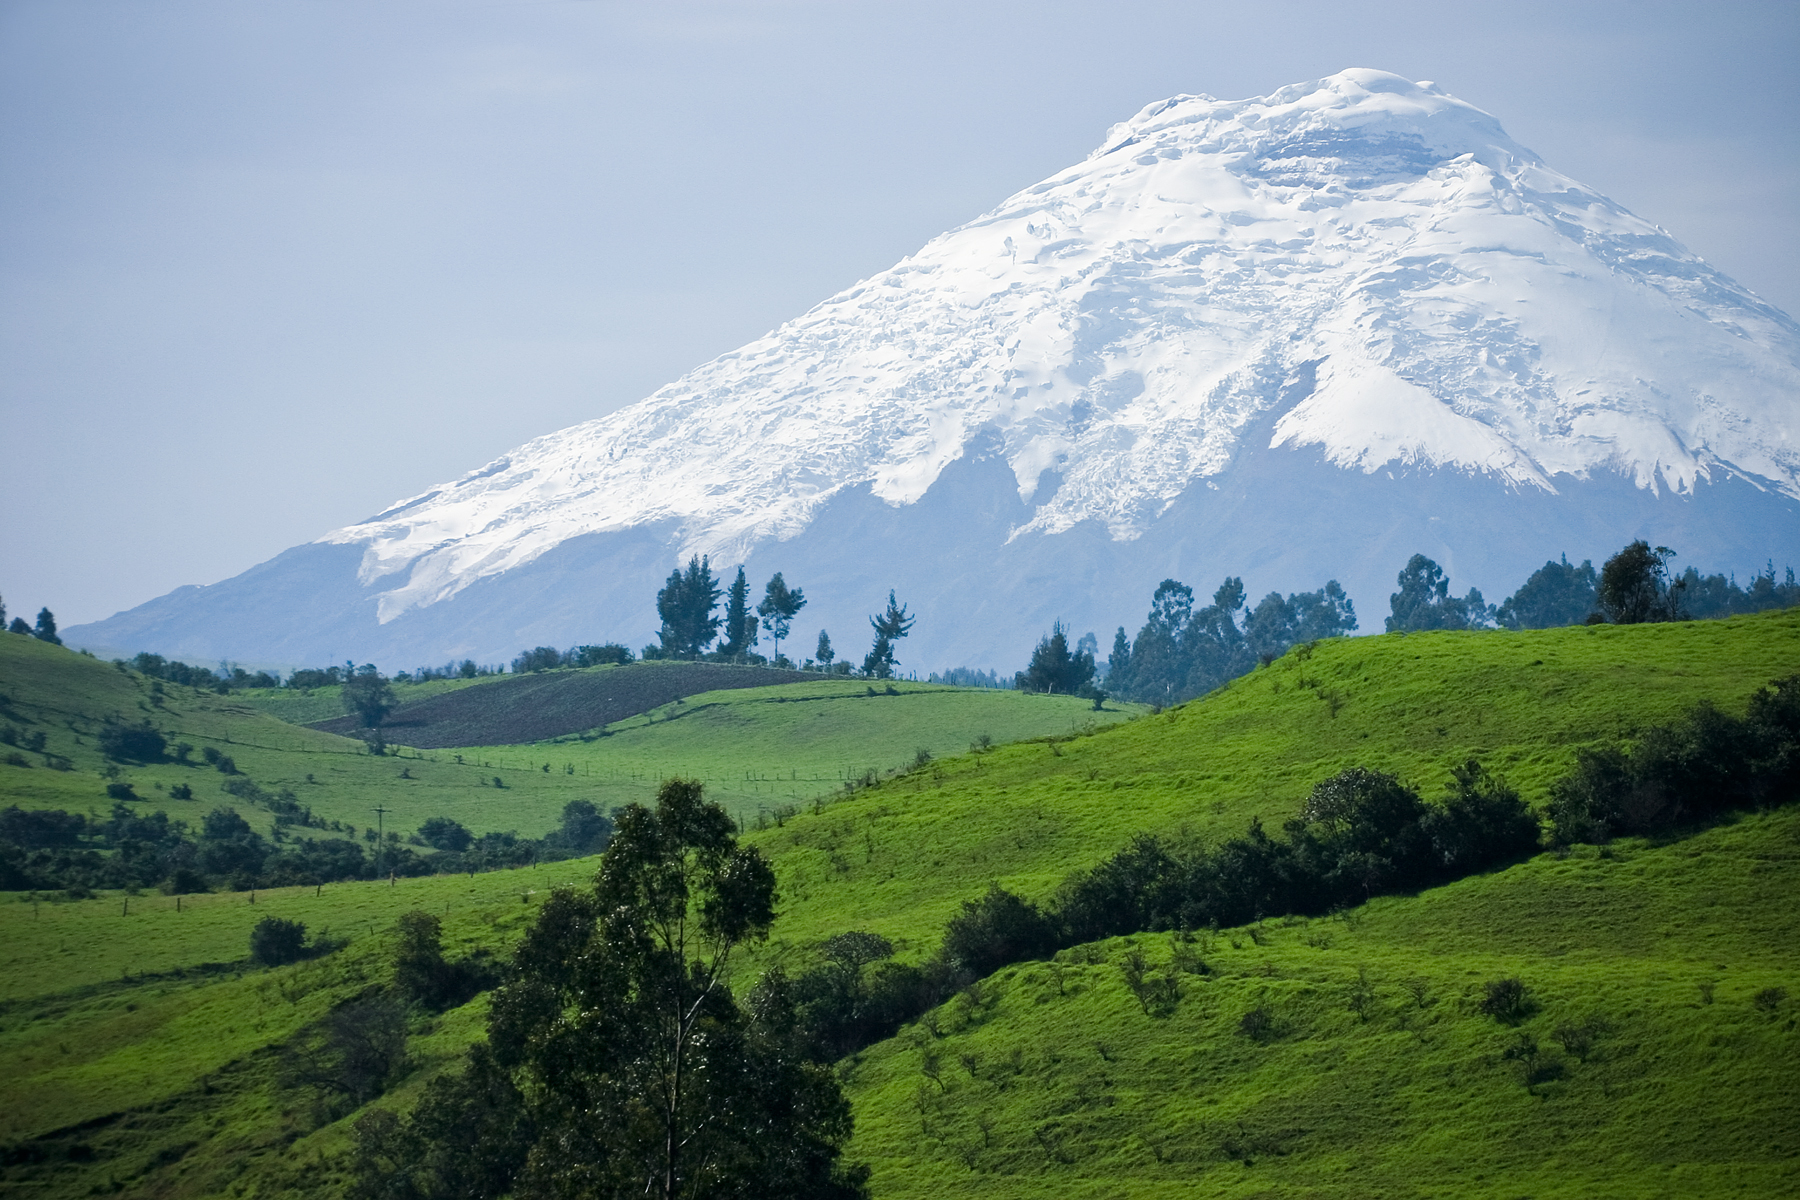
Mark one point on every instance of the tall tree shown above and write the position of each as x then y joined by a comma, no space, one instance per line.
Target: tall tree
618,1062
1054,669
890,627
1555,594
1634,586
1118,665
824,653
686,605
46,627
368,696
740,622
780,605
1424,601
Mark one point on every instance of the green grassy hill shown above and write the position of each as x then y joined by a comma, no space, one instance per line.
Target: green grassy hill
758,749
1670,970
128,1060
899,859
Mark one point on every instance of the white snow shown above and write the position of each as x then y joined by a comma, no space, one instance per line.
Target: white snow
1462,306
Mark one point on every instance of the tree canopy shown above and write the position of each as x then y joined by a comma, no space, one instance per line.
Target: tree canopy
740,622
780,605
1424,601
1053,668
1555,594
1634,586
890,627
618,1062
685,604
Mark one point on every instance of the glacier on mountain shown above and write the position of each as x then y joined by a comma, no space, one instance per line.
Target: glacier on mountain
1362,269
1450,301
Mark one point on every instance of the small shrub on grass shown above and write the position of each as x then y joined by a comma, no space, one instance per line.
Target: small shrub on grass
181,791
132,743
1580,1038
274,941
1507,1001
1769,1000
120,791
1260,1025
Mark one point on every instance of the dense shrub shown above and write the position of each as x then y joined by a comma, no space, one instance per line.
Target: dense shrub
275,941
132,743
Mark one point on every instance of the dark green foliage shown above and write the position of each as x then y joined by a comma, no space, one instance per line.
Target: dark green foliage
1181,653
275,941
1424,601
442,833
368,696
686,605
740,622
46,627
185,881
132,743
1054,669
181,791
1706,763
120,791
155,666
1555,594
584,830
892,625
997,929
605,655
1634,586
780,605
629,1067
1507,1001
19,625
544,658
467,1139
824,653
421,973
1712,596
352,1056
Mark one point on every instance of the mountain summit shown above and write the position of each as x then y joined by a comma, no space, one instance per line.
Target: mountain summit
1288,338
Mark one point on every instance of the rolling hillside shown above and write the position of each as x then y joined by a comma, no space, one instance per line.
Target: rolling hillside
758,749
140,1048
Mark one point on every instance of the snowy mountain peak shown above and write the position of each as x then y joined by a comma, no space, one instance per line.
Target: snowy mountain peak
1361,266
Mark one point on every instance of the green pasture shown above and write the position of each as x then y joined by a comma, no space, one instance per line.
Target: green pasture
304,706
1375,1073
757,749
899,859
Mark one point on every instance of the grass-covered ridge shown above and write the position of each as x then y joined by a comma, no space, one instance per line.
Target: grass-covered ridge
899,859
1350,1057
756,749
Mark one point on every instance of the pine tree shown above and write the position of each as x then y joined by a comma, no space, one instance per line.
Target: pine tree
740,623
825,653
780,605
890,627
46,627
686,605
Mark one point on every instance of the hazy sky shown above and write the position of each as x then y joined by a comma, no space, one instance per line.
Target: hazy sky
266,267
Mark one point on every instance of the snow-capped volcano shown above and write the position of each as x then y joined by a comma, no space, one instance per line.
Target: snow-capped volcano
1362,269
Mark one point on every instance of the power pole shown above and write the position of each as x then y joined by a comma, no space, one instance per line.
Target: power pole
380,839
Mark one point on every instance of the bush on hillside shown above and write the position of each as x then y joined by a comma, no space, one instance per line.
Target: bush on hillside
132,743
275,941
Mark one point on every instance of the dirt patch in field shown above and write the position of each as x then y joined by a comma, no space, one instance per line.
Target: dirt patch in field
530,708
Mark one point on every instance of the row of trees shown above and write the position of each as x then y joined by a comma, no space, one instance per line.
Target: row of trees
688,606
44,631
1633,587
52,850
1182,652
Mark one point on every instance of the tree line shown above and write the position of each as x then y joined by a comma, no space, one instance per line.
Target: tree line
1181,652
43,631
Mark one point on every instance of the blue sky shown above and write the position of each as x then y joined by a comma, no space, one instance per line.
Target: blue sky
265,268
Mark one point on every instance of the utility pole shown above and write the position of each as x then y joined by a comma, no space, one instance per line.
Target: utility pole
380,840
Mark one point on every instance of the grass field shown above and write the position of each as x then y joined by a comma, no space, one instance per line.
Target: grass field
900,858
757,749
128,1059
1373,1073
